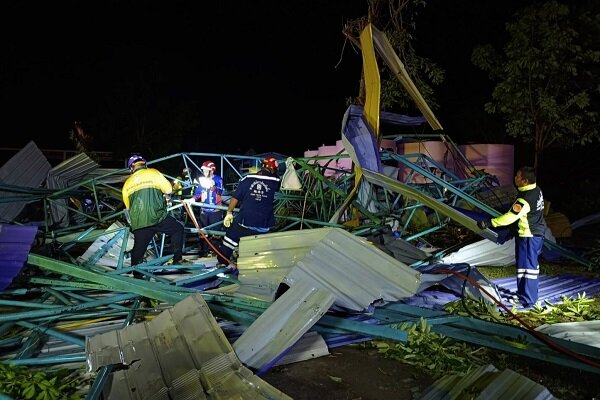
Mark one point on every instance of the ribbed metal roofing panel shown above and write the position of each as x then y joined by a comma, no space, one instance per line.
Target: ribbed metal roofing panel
586,332
552,288
484,252
15,244
110,256
282,324
181,354
355,271
487,383
28,168
66,174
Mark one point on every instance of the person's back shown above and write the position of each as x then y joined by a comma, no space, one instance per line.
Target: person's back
256,195
143,195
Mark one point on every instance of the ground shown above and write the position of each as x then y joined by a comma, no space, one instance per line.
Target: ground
352,373
349,373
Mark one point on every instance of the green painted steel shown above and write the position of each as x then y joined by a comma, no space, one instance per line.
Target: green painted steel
324,198
122,283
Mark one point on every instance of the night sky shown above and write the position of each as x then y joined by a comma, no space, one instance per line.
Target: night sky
256,70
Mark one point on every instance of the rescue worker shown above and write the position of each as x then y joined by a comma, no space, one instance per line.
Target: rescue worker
183,180
145,194
183,185
208,193
255,194
528,212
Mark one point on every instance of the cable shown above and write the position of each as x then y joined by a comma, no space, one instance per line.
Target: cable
530,329
203,235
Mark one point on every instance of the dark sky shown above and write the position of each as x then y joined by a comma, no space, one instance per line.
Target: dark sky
256,69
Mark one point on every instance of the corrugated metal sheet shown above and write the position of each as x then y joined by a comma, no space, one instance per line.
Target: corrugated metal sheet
437,274
28,168
311,345
15,244
484,252
552,288
64,175
487,383
109,175
586,332
402,250
110,257
355,271
282,324
180,354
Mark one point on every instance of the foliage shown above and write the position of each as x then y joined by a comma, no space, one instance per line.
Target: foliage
577,309
547,82
23,383
432,352
469,307
397,19
571,309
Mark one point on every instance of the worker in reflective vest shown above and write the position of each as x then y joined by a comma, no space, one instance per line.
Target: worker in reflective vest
528,213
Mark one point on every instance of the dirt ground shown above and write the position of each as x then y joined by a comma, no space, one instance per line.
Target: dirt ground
349,373
353,373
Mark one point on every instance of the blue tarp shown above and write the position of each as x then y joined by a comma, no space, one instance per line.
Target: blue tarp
15,244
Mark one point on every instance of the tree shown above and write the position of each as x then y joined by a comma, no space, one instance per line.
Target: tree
397,19
547,79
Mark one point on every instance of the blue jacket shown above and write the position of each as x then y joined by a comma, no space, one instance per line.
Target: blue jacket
209,191
256,194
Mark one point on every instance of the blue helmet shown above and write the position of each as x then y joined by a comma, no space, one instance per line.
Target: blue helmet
136,158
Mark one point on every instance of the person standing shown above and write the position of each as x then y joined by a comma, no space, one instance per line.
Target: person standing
145,194
182,180
208,193
183,188
256,195
528,212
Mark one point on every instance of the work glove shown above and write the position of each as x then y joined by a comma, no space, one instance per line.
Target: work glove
228,220
203,196
484,224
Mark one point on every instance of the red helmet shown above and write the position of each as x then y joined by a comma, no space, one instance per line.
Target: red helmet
135,159
209,165
270,163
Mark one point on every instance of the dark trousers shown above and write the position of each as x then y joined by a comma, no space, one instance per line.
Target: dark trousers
207,219
142,237
231,241
527,250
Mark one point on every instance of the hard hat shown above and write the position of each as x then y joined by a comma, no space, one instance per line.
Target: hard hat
270,163
209,165
135,159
